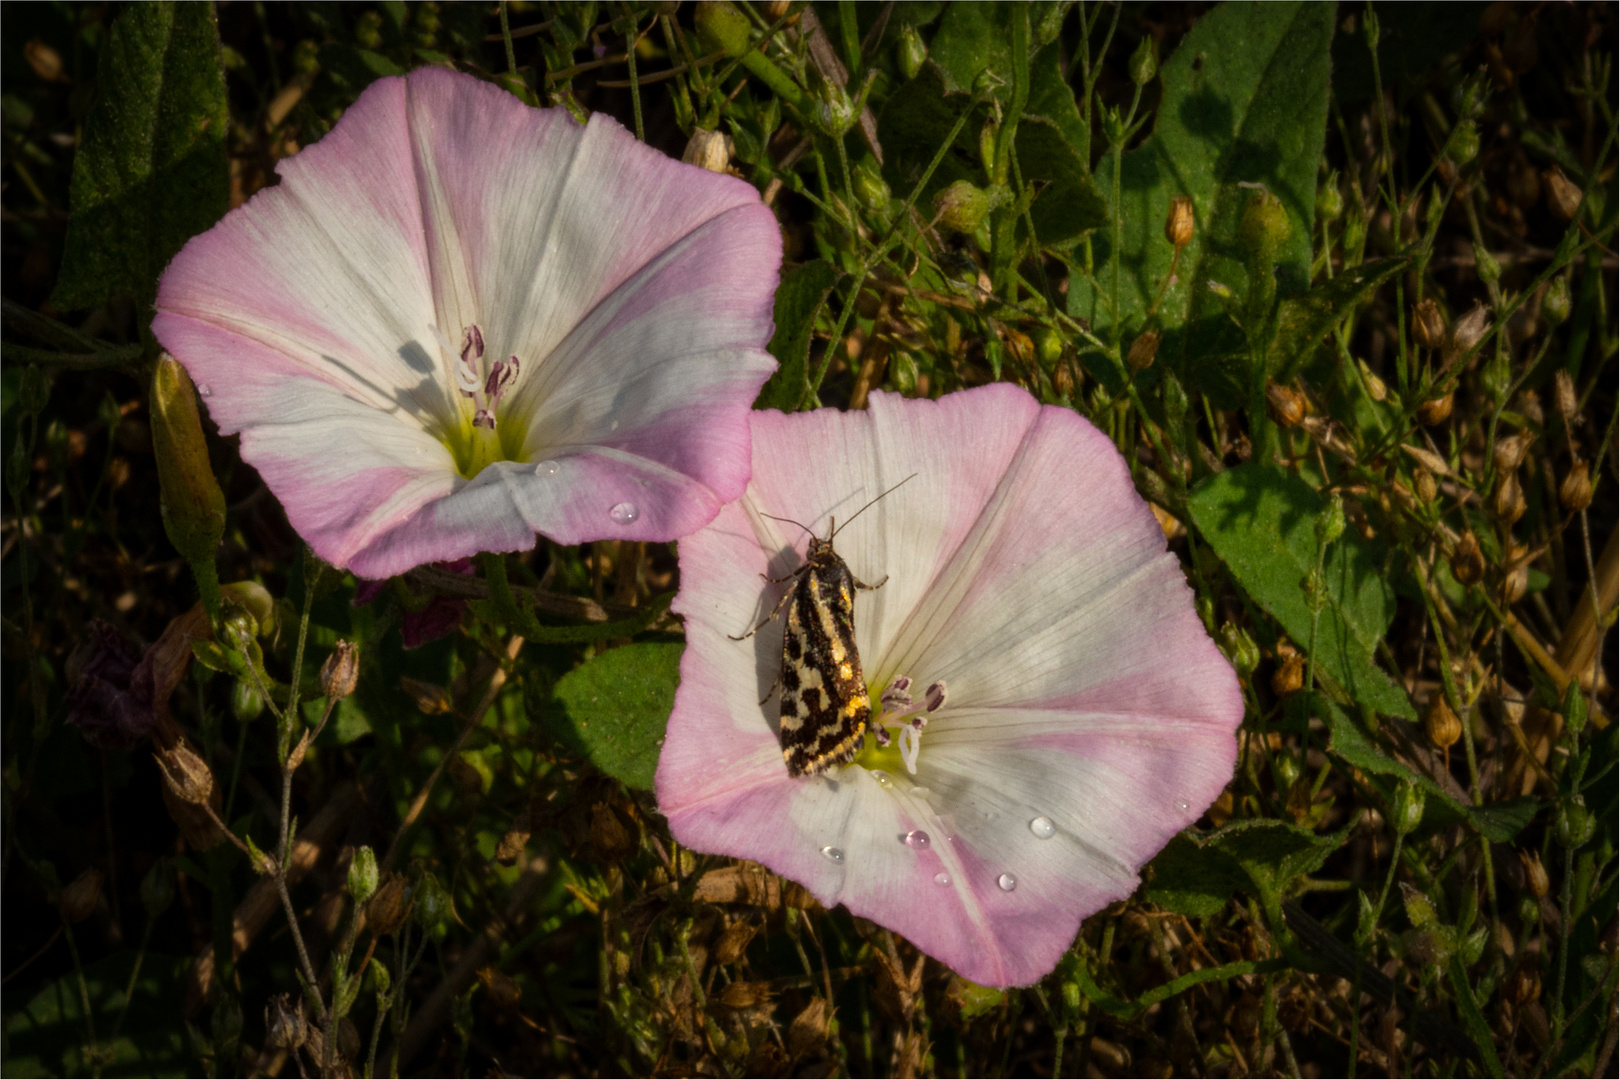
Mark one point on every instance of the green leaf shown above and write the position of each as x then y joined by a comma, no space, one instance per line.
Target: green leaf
973,36
798,302
1244,101
152,171
1261,519
1069,204
613,709
1192,880
1303,321
1272,854
1500,822
916,119
46,1036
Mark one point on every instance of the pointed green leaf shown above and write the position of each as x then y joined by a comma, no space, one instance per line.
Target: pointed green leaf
798,301
613,709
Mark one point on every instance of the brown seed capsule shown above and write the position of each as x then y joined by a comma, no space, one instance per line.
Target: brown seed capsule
284,1025
1143,350
1428,325
1441,724
1467,561
1516,574
1510,450
1535,875
1063,380
808,1033
1463,335
1564,395
1178,224
1507,503
1285,404
1563,197
1427,487
709,150
1435,411
388,907
1289,676
78,901
185,774
341,671
1575,493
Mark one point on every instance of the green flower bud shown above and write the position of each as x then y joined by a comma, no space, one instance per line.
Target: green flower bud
246,701
1329,199
987,147
1575,822
1144,61
962,207
1331,524
1419,908
1463,146
256,601
1239,648
1369,28
1489,270
363,874
871,188
1407,812
193,505
1113,125
1264,226
1555,303
1473,946
835,112
1468,97
911,52
1574,709
1049,346
1286,768
722,28
903,372
987,82
432,902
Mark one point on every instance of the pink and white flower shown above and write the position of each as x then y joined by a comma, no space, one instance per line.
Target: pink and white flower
459,321
1077,714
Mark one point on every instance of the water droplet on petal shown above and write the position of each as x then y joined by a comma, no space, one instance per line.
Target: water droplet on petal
624,513
546,468
1007,882
881,777
833,853
205,390
916,838
1043,828
920,792
1181,804
942,878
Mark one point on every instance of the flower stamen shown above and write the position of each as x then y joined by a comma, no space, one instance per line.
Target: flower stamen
899,710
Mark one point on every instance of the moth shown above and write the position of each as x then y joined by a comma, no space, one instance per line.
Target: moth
825,707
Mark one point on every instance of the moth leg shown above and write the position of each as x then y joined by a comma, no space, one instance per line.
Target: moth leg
772,689
859,584
767,618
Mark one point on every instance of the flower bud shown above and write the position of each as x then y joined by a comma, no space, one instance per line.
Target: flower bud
1178,223
1375,386
1264,226
1555,304
1463,146
1113,126
1285,404
157,889
1467,561
1441,724
1425,484
1535,874
722,27
835,112
1407,812
1329,199
341,671
1239,648
709,150
1508,454
1435,411
1564,397
1369,28
911,52
78,901
1575,493
1563,197
1289,676
1331,525
1144,61
192,504
389,907
1486,266
1143,350
1507,503
284,1025
1428,325
255,601
903,372
987,146
185,774
1575,822
1464,334
363,874
961,207
1049,347
246,702
871,189
432,902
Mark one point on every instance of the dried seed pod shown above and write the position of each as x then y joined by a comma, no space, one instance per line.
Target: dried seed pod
1509,451
1507,503
1535,874
1178,224
284,1025
341,671
78,901
709,150
185,774
807,1034
1435,411
1563,196
1289,676
1427,487
1464,334
1286,405
1516,577
1428,325
1467,561
1441,723
1575,493
1143,350
389,907
1564,395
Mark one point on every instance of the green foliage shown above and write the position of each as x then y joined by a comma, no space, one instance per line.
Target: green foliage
612,709
152,172
799,301
45,1036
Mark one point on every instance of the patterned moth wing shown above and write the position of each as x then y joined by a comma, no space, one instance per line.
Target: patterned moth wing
825,706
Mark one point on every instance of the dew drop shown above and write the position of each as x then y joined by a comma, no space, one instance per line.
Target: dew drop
546,468
205,390
917,839
1043,828
942,878
1181,804
881,777
833,853
1007,882
624,513
920,792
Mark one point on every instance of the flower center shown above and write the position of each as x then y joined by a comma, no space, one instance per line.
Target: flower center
896,709
482,382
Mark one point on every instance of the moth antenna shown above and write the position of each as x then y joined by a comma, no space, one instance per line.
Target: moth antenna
861,511
790,521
